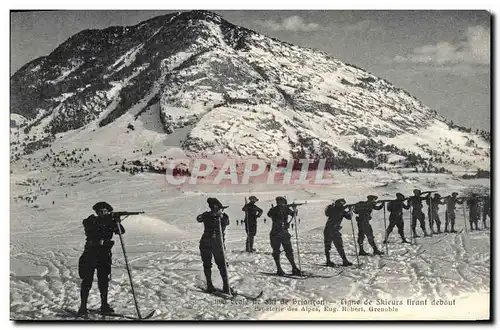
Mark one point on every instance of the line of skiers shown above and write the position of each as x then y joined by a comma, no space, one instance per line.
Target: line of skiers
283,214
100,228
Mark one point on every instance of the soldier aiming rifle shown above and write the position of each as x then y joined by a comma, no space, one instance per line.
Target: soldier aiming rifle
211,245
335,213
451,202
364,210
395,208
279,234
99,230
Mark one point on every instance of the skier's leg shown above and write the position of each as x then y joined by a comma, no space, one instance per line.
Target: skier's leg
206,258
446,221
287,247
247,245
103,273
222,265
339,245
401,229
452,222
422,223
328,245
275,245
86,270
437,220
369,234
392,223
414,218
361,237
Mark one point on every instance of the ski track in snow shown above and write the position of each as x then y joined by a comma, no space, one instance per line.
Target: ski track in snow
166,267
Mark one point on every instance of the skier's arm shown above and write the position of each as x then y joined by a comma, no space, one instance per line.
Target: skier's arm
347,215
259,211
90,227
244,209
356,208
460,200
270,212
380,207
122,229
406,206
200,217
225,220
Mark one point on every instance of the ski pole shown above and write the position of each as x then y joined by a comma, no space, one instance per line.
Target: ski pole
385,234
465,217
431,224
411,225
223,248
297,240
128,270
353,237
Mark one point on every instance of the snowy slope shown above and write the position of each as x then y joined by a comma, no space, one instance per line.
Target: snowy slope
162,245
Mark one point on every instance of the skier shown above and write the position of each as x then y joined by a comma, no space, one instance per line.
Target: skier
451,202
99,232
335,213
279,234
364,211
433,213
212,243
395,208
417,214
486,209
474,212
252,212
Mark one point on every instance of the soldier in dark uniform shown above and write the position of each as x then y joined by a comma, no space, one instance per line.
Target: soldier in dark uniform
416,213
451,202
212,243
335,213
395,208
433,213
280,236
364,211
252,212
99,231
474,212
486,210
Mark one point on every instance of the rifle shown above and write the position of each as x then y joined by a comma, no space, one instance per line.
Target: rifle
294,205
427,192
126,213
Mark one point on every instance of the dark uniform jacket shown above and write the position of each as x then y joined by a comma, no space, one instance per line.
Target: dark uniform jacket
416,202
435,204
279,215
396,207
335,215
211,222
252,212
364,210
451,203
99,232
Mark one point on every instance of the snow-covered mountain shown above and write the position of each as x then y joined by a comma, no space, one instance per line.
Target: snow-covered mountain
195,81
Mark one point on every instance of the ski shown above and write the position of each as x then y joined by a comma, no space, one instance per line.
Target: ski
75,314
129,317
296,277
335,266
248,297
219,293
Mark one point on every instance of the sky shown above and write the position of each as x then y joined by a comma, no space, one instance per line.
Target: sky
440,57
